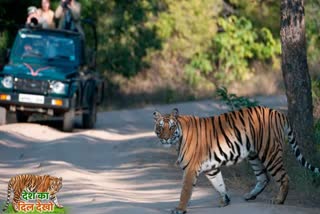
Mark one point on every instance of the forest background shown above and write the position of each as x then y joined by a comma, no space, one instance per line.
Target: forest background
163,51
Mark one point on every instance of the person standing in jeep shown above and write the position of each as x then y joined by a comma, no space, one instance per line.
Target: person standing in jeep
46,14
68,13
41,17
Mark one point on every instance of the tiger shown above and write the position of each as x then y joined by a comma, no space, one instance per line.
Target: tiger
33,183
205,144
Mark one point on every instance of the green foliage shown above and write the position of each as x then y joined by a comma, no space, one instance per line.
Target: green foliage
125,36
200,64
134,33
4,37
315,89
237,44
317,130
312,8
192,75
187,26
260,13
233,101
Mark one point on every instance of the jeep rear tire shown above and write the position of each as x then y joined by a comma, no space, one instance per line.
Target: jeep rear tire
21,117
68,120
89,118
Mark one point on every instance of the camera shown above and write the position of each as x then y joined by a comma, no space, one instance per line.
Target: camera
65,3
34,21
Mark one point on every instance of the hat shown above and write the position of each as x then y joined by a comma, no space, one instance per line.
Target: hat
31,9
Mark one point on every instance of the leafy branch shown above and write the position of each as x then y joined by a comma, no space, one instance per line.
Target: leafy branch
233,101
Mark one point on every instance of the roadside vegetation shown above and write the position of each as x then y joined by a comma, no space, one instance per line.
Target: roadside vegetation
165,51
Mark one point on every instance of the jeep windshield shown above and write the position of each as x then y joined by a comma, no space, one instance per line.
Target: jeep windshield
44,48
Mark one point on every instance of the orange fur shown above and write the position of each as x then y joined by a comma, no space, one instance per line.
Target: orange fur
206,144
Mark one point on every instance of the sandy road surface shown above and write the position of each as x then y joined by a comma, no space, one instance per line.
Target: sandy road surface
118,167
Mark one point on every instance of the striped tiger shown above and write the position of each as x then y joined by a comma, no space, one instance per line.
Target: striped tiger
33,183
206,144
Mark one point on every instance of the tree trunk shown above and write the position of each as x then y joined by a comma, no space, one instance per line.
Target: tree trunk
295,72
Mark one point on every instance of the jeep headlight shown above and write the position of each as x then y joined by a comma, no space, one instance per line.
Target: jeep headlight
7,82
58,87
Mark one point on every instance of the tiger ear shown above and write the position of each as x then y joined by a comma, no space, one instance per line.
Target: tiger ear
60,178
156,115
175,112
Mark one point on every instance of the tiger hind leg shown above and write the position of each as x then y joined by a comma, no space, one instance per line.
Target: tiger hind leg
261,175
16,199
276,169
281,177
216,179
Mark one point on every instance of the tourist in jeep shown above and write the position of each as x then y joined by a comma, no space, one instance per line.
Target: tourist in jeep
68,13
42,17
33,18
46,14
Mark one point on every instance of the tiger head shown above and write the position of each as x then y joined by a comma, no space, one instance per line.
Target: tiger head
55,185
167,127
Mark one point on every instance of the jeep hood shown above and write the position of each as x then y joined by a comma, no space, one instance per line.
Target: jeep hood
37,71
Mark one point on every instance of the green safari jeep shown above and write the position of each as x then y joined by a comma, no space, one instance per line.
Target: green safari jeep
48,73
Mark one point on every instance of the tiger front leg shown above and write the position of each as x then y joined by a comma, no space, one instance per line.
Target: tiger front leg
216,179
54,199
189,180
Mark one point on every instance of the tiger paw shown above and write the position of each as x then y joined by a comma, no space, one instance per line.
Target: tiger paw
225,200
276,201
15,207
249,197
59,206
177,211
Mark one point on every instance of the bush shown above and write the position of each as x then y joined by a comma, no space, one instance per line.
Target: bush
239,43
4,38
125,35
233,101
187,27
312,30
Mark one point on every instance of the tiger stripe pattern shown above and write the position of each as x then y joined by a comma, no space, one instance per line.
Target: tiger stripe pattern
33,183
205,144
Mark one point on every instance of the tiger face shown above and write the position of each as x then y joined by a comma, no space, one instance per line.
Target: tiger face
167,127
55,185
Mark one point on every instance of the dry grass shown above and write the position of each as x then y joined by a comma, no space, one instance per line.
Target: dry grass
167,83
265,81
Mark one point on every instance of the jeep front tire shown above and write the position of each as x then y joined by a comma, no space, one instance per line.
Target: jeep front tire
21,117
68,120
90,116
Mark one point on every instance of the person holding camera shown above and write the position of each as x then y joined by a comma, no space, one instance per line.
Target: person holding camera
69,14
34,19
42,17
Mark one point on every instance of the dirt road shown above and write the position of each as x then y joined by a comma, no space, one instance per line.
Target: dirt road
118,167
